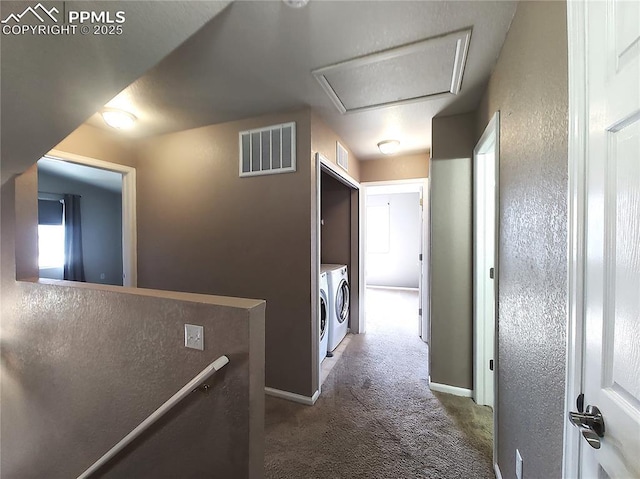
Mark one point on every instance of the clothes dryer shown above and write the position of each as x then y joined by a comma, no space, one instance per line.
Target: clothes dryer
324,316
337,277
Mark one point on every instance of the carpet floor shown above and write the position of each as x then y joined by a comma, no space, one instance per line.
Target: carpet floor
376,417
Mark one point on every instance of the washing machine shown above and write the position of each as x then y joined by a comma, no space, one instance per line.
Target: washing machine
324,315
338,280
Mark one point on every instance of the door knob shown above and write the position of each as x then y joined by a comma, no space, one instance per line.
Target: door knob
590,423
592,438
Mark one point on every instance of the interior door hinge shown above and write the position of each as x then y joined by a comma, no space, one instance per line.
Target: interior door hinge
490,364
420,257
491,273
420,312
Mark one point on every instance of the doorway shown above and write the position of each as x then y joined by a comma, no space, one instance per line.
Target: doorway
338,240
395,247
486,158
87,229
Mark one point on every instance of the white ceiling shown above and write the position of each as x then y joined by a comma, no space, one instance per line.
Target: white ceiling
108,180
257,57
51,85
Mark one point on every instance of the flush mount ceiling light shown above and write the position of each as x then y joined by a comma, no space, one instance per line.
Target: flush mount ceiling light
389,147
295,3
119,119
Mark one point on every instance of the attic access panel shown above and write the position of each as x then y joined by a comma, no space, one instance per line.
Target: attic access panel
425,70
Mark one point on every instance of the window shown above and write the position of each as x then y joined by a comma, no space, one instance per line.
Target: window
378,229
51,246
50,234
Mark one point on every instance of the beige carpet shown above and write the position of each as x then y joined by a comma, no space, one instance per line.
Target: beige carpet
475,422
376,417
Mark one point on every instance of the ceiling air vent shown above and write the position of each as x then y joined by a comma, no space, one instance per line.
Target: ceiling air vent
342,156
424,70
269,150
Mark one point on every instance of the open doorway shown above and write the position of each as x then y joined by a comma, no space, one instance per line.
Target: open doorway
86,222
338,264
395,239
486,158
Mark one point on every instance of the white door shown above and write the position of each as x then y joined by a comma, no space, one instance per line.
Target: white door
611,375
422,330
425,300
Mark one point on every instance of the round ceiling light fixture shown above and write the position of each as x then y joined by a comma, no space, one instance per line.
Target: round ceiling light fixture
119,119
295,3
389,147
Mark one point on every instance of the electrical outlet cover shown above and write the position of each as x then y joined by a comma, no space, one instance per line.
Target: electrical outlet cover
194,336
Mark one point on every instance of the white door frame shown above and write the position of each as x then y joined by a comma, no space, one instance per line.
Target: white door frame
424,294
315,281
485,329
129,228
576,230
322,163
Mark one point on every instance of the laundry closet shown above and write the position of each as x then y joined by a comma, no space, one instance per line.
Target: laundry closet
338,257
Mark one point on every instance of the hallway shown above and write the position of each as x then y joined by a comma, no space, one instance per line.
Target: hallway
376,417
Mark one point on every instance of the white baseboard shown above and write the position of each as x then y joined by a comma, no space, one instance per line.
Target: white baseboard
309,401
445,388
496,469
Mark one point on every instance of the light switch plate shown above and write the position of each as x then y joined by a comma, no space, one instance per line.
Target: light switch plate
194,336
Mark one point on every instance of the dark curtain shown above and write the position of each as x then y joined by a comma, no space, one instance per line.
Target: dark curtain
73,263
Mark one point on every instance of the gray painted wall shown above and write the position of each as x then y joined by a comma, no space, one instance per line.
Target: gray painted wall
202,228
53,337
339,210
529,87
101,211
454,136
323,141
399,267
335,212
451,345
397,167
84,364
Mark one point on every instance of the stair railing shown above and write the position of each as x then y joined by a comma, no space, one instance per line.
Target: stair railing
188,388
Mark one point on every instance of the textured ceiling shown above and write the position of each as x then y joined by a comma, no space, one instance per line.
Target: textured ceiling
108,180
52,84
414,72
257,57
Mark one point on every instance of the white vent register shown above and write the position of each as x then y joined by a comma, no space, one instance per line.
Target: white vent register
342,156
268,150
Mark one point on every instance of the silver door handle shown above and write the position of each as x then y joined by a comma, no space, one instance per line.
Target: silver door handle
590,423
